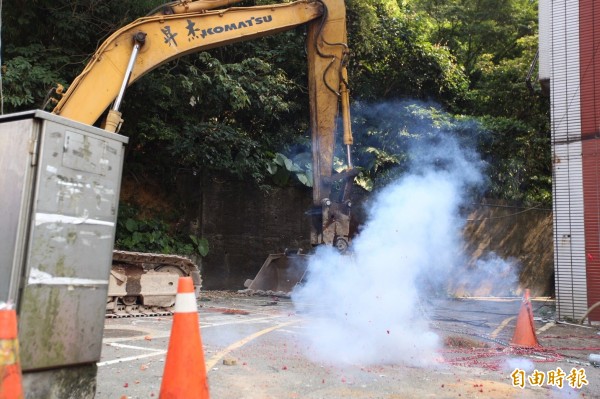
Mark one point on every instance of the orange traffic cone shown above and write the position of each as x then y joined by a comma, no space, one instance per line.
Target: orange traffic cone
185,371
524,335
10,369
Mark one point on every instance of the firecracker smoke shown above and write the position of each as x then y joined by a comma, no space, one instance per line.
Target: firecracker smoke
367,306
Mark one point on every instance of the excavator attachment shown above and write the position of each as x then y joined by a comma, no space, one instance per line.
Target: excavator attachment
278,275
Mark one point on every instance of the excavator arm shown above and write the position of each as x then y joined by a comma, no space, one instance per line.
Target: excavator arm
186,27
166,36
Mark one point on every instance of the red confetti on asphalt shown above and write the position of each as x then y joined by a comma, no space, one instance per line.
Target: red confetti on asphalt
125,385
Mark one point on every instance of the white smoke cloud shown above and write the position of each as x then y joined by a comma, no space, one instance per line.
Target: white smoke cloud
490,275
369,302
521,363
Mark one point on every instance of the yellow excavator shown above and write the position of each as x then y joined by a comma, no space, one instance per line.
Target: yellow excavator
145,283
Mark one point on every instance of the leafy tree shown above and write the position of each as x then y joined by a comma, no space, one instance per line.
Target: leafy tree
495,42
473,28
519,159
211,115
393,57
385,131
509,148
48,42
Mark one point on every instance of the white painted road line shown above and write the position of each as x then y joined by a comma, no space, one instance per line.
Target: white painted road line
114,342
130,358
135,347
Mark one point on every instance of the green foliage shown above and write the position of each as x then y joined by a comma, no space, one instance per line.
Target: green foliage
154,235
212,115
472,28
201,245
384,133
516,156
394,58
471,57
519,160
26,81
501,90
47,42
282,169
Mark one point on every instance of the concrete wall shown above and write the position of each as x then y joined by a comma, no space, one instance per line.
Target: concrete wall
524,234
244,225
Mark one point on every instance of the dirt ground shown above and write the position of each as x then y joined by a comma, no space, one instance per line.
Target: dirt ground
254,349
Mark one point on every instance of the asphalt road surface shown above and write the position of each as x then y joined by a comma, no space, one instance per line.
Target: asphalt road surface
253,349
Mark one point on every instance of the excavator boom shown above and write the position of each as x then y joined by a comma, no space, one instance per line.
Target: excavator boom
168,37
187,27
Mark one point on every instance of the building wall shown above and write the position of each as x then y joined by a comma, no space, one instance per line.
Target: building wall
589,38
575,112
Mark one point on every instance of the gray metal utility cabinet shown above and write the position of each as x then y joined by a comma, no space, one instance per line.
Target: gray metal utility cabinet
60,185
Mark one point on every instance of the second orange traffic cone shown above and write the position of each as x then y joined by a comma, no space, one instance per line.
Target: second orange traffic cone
185,371
11,386
524,335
